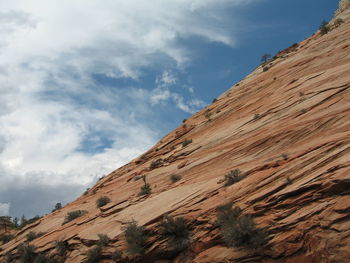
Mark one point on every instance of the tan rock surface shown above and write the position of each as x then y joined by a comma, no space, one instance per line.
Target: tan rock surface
287,130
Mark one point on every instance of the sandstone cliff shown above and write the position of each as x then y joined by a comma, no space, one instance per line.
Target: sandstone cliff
286,127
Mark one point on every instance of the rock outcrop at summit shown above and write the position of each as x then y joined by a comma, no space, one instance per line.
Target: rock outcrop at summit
286,127
343,10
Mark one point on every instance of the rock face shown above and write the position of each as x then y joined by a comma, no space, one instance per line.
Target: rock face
285,127
343,10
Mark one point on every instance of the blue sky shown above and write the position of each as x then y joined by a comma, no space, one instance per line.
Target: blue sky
87,86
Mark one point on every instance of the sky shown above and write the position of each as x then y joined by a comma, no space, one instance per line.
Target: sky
86,86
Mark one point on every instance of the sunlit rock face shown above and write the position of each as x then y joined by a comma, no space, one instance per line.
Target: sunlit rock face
343,11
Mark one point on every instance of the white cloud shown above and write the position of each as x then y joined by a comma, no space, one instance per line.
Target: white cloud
53,117
162,93
46,138
4,209
166,79
114,37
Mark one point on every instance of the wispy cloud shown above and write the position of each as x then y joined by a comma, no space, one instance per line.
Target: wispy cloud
165,84
166,79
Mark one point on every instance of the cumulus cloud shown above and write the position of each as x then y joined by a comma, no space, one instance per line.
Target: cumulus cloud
57,125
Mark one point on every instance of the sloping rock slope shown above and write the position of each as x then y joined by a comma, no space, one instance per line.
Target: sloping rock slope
286,128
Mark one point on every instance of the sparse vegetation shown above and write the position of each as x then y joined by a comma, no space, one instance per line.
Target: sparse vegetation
146,188
15,223
176,232
155,164
103,240
214,100
284,156
239,230
289,180
324,27
73,215
265,58
225,213
61,247
208,114
338,22
42,258
233,177
93,255
186,142
58,206
26,253
25,222
117,256
136,238
33,235
265,69
6,223
174,178
257,116
102,201
5,238
292,48
9,257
